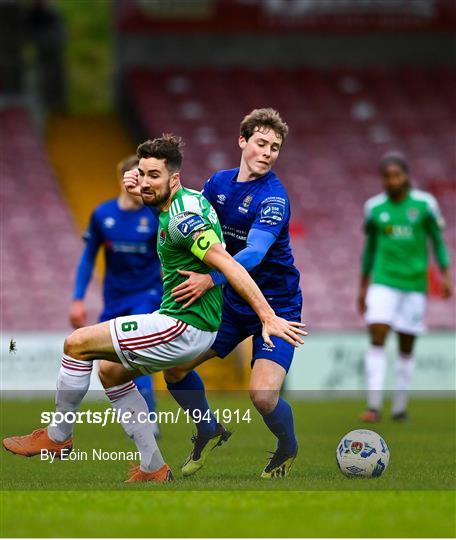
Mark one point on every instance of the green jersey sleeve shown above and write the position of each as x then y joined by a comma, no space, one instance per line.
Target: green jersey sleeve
193,232
435,224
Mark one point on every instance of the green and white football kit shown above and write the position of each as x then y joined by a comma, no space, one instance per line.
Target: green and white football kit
174,335
396,257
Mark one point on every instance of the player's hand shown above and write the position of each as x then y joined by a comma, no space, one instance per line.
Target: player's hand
192,288
131,182
447,289
290,331
361,301
78,314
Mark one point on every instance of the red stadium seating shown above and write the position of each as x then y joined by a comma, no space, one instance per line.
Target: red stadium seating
40,244
341,122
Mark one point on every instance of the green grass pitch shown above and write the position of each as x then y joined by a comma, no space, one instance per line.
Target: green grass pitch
415,497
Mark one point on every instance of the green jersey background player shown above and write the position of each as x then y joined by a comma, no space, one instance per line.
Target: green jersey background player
398,225
189,239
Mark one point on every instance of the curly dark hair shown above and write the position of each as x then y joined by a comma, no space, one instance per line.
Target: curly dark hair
168,147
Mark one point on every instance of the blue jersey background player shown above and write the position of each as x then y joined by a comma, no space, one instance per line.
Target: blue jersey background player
254,211
127,230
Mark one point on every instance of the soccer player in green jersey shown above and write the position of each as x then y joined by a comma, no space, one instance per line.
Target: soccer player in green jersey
189,240
392,295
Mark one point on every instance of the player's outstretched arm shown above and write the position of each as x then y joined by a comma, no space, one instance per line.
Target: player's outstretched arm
238,277
258,244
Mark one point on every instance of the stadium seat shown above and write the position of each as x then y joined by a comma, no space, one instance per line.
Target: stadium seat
40,244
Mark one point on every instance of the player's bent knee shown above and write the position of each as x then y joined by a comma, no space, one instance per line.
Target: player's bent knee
175,375
74,344
111,374
378,334
264,401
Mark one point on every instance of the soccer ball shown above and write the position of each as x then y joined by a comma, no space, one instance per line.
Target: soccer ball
362,452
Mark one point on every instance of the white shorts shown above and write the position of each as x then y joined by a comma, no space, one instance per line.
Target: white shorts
404,311
154,342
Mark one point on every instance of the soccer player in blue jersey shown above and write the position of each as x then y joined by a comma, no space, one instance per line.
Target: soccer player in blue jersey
254,211
132,283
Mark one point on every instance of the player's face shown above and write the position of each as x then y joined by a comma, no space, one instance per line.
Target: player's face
261,151
395,179
155,181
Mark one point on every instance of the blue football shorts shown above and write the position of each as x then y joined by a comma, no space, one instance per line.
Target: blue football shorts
236,327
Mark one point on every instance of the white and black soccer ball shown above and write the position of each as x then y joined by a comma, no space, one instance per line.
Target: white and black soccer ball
362,452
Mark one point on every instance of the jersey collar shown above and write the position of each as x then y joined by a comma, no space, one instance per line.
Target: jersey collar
266,176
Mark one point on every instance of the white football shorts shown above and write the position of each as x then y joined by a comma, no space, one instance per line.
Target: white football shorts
154,342
404,311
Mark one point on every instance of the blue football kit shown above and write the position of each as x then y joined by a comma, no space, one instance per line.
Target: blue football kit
255,219
132,277
132,282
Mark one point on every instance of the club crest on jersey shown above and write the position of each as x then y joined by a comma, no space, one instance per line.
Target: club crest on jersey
143,226
412,214
384,216
162,237
245,205
109,222
246,202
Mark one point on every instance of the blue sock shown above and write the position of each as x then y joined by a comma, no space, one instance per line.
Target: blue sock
191,396
144,384
280,422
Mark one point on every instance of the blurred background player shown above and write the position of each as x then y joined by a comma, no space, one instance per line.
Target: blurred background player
132,281
398,224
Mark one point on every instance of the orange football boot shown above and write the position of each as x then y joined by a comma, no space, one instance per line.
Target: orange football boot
162,475
371,416
31,445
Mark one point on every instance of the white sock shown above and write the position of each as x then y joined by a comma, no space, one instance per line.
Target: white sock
405,366
127,397
375,376
72,385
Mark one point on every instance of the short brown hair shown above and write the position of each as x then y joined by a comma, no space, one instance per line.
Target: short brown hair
168,147
127,164
259,118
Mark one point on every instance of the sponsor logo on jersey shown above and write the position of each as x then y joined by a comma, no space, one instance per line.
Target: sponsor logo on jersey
402,232
221,198
162,237
272,213
127,247
143,226
109,222
190,225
